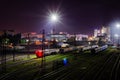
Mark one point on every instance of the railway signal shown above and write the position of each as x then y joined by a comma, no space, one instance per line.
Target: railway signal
39,53
42,53
65,61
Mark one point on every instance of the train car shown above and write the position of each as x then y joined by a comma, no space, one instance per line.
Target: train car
51,51
99,49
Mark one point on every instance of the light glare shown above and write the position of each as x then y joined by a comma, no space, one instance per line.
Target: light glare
54,17
118,25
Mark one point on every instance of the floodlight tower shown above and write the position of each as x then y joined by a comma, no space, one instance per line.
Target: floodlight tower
54,18
117,37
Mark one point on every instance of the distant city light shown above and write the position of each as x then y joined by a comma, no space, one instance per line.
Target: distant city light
116,35
27,40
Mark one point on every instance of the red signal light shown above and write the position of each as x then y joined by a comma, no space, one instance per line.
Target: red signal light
39,53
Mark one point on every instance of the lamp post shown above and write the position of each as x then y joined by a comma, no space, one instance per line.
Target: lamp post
117,35
3,54
117,38
43,48
28,45
115,32
54,17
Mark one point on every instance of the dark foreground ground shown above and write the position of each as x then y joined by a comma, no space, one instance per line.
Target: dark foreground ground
85,66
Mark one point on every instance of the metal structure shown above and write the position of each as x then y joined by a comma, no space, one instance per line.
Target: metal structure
3,55
28,44
43,48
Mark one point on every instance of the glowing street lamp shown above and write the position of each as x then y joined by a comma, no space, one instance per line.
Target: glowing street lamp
54,17
118,25
115,26
117,36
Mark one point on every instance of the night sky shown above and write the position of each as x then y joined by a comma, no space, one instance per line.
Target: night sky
77,16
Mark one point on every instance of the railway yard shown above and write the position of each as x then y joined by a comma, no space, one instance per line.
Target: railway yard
103,64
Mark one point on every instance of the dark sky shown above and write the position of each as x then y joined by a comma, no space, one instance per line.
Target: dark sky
77,16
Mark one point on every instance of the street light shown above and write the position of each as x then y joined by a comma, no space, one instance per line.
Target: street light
114,30
117,36
118,25
53,18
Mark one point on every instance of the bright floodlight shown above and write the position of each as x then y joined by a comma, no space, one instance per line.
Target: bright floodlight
116,35
118,25
54,17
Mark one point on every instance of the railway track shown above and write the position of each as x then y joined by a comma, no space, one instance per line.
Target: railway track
103,72
115,70
19,62
82,75
23,70
51,74
91,68
17,57
11,74
64,75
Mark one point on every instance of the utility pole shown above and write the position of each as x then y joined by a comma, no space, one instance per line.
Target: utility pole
14,54
13,45
28,44
43,48
3,61
75,54
74,39
118,42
